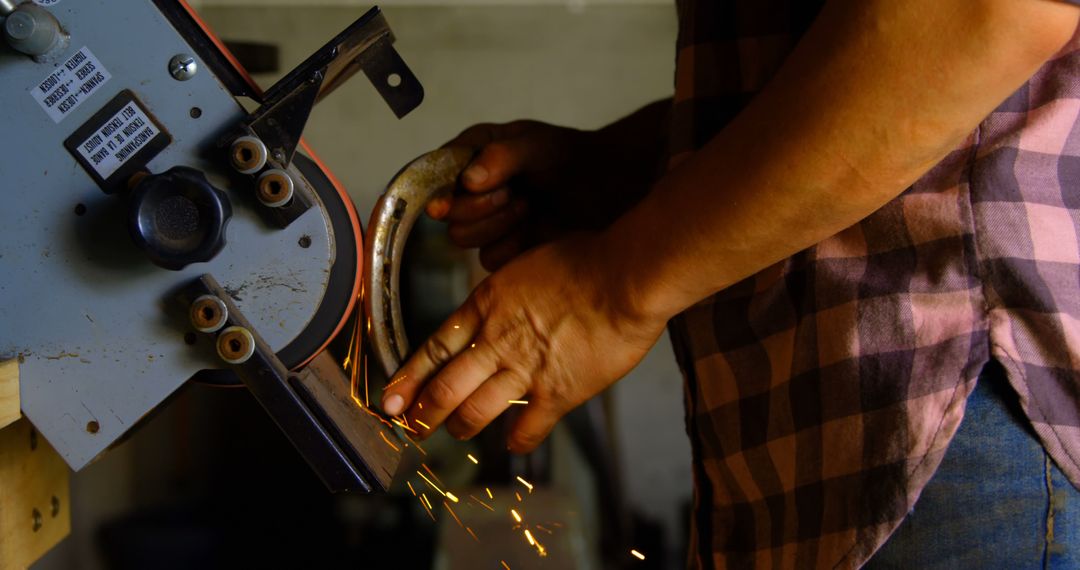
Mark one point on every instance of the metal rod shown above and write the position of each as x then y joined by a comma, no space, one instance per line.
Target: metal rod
8,6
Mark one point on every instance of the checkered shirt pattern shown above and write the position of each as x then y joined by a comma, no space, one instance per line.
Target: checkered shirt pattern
823,392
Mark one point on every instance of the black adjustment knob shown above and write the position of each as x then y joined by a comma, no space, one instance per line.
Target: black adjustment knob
178,218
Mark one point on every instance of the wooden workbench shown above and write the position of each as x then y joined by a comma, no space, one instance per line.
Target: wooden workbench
34,489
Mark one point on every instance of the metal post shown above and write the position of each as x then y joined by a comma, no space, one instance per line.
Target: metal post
8,6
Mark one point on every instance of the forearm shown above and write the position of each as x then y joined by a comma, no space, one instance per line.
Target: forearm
627,155
875,94
641,135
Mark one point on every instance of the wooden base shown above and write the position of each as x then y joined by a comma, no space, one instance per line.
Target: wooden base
9,392
34,489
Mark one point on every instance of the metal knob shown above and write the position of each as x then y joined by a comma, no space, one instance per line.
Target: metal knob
31,29
178,218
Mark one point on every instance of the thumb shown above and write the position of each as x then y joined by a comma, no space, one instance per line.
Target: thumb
490,170
497,163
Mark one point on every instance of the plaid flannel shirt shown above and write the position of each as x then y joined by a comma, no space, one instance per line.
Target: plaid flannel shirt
822,392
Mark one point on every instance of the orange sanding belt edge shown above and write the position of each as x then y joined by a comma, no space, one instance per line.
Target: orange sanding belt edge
354,218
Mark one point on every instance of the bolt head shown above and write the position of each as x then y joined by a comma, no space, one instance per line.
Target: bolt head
183,67
20,26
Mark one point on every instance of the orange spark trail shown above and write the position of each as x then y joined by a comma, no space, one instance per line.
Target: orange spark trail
409,483
451,496
489,493
433,486
505,565
545,529
425,499
518,495
526,483
428,509
517,517
473,459
417,445
403,426
528,535
422,424
637,555
453,514
517,402
432,473
482,503
473,534
388,442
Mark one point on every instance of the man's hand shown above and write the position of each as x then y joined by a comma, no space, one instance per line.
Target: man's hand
550,327
532,182
517,165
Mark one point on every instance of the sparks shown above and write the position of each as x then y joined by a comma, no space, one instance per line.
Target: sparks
451,496
417,445
473,459
517,517
637,555
403,426
422,424
490,496
544,528
472,534
528,535
388,442
517,402
518,495
428,509
423,496
420,405
505,565
432,473
433,485
482,503
527,484
473,345
409,483
452,513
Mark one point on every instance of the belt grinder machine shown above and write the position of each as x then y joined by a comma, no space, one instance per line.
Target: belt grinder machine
154,231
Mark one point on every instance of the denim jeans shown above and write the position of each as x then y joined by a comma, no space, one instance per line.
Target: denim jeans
997,501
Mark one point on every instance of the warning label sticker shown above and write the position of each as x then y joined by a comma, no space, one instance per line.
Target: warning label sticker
119,139
70,83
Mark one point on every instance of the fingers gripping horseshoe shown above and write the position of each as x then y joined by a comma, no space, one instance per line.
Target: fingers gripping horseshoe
394,216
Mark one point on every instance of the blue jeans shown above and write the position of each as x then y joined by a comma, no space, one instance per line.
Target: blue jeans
997,501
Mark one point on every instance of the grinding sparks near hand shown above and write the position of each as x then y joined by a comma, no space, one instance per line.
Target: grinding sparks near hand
526,483
482,503
637,555
403,426
490,496
433,485
422,424
451,496
528,535
471,458
505,565
388,442
517,402
517,517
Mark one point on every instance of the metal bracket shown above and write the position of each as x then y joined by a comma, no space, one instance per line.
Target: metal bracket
394,216
367,44
313,407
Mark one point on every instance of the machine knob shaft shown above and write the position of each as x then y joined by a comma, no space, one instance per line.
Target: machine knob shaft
178,218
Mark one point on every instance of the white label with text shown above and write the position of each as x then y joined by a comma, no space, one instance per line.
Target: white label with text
69,84
119,139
